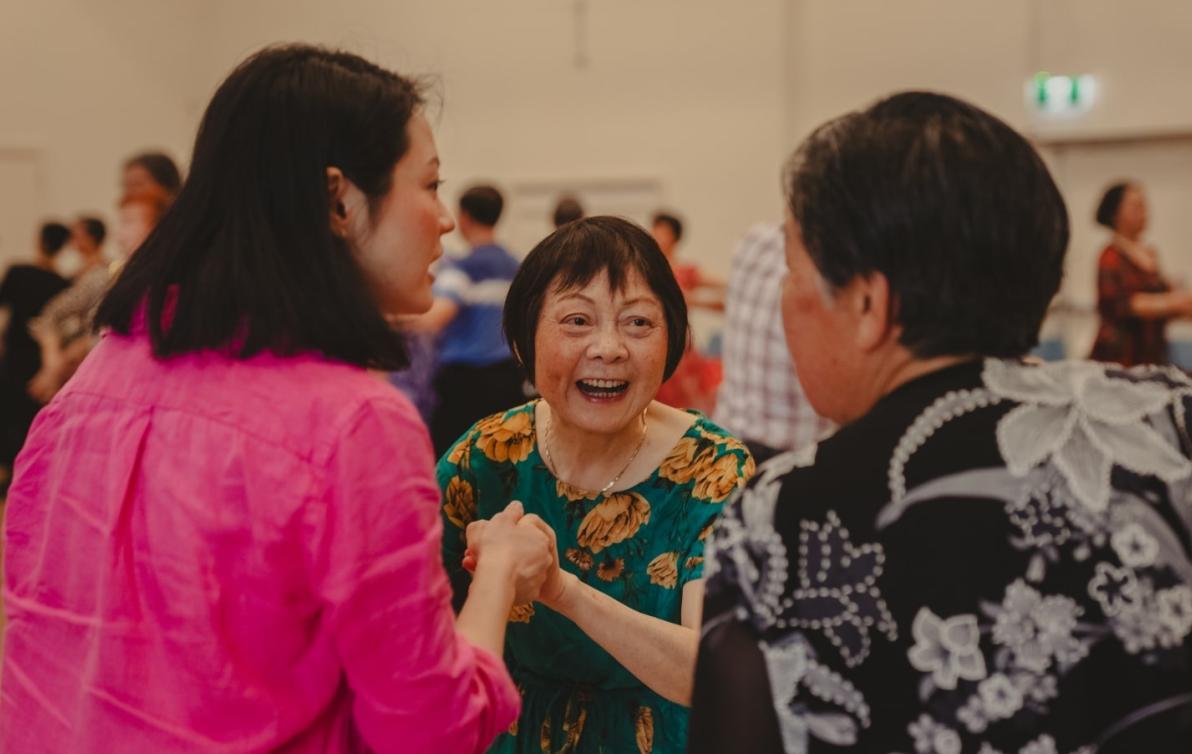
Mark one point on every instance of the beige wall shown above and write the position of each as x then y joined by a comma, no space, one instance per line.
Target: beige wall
685,92
703,97
82,85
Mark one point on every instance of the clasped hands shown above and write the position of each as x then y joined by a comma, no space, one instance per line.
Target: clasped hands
523,545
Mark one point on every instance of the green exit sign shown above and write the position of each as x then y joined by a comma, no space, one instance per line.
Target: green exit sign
1047,93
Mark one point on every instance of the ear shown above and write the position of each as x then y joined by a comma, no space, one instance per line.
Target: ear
337,191
872,307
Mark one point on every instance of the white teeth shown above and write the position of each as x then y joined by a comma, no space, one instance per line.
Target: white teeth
604,384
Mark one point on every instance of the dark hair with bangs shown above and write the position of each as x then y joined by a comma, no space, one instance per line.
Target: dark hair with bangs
1111,202
51,237
245,259
575,254
951,205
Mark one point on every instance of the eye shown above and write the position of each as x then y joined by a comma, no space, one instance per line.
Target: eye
577,320
435,185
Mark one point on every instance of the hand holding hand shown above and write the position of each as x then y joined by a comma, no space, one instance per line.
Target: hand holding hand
525,553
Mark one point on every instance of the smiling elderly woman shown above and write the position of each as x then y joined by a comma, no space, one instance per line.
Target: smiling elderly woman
629,486
990,555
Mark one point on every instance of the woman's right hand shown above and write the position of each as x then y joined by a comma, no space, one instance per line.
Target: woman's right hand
524,553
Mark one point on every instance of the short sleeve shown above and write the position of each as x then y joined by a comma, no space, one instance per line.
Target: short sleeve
724,473
452,283
416,684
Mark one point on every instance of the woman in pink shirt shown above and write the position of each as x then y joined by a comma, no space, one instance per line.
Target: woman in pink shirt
223,533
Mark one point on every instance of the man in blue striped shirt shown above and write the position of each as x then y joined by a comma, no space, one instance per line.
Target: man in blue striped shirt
477,374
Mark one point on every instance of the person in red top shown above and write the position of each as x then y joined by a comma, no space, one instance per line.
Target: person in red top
1134,299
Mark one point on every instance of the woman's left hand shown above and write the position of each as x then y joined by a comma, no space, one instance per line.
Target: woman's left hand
557,580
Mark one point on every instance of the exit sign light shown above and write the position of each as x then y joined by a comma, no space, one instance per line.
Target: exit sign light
1061,94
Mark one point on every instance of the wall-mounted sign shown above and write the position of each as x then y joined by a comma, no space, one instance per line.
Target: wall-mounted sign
1050,94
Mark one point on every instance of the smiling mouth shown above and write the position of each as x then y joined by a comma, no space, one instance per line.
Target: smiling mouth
602,388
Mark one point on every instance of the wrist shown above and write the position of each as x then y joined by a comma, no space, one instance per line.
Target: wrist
564,595
495,570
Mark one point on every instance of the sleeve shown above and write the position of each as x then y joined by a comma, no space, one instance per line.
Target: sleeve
1113,293
452,283
458,495
716,483
732,709
417,685
732,705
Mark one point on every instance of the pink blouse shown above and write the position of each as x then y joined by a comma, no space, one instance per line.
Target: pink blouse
215,555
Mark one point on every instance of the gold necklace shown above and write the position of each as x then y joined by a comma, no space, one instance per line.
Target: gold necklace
550,461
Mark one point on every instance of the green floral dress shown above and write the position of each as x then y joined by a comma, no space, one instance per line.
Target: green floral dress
639,545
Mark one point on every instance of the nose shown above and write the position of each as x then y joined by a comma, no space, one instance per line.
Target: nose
607,344
446,222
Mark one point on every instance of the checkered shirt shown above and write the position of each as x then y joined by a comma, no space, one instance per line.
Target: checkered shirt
760,399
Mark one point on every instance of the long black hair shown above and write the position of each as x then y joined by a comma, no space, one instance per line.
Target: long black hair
245,259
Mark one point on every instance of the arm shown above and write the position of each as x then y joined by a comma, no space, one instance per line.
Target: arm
417,683
1166,305
659,653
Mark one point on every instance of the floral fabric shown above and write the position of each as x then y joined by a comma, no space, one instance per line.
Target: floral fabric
639,545
996,559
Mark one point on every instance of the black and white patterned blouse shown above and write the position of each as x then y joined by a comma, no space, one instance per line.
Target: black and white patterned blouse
996,559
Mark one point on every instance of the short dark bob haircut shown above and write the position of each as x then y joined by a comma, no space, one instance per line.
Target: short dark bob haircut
482,203
245,256
951,205
1111,202
575,254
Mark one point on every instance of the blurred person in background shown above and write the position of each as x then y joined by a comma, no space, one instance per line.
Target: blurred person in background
1135,301
223,533
693,384
760,399
568,209
87,236
476,375
24,292
147,171
64,330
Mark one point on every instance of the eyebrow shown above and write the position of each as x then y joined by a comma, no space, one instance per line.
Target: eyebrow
624,304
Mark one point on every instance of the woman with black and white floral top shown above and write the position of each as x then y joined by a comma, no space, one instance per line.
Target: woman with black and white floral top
991,556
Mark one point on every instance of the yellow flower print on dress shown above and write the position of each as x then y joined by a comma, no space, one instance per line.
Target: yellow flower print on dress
460,503
693,562
579,559
461,454
611,571
521,613
644,729
718,479
704,532
614,520
572,493
504,439
680,466
664,570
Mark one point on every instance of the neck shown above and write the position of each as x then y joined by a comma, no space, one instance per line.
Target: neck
1129,238
586,459
896,372
482,237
